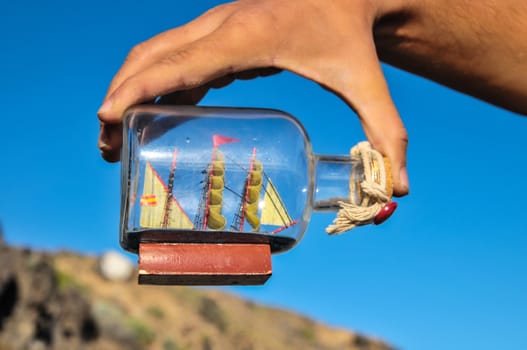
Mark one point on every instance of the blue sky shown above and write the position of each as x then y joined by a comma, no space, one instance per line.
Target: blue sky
447,271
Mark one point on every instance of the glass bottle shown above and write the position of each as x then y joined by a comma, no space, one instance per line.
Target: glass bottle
224,175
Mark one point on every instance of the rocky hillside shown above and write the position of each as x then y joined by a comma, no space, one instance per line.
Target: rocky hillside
61,302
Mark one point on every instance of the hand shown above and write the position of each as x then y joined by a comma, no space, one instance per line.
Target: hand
329,42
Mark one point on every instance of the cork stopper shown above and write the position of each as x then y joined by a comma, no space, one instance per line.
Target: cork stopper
389,179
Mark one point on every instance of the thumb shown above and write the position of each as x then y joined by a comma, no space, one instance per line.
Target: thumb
386,133
367,93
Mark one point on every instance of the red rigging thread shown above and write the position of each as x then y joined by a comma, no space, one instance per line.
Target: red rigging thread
248,184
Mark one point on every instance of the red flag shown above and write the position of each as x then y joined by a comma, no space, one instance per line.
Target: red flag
150,200
218,140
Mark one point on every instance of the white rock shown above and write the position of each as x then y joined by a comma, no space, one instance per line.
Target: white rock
114,266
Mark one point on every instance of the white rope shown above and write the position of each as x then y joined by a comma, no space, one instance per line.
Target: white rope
367,197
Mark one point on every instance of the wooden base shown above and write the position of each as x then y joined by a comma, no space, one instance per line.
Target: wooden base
204,263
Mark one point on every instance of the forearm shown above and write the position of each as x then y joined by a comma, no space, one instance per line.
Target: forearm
476,47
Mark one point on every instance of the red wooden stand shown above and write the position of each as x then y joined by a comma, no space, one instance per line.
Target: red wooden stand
204,263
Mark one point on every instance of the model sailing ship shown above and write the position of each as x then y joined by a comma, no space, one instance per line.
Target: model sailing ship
160,209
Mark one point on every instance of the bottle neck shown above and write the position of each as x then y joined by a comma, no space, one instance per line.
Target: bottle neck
332,181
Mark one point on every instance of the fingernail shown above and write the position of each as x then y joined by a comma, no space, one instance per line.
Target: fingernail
105,107
103,137
103,146
403,178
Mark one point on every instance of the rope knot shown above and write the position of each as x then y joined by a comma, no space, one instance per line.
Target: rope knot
367,196
376,192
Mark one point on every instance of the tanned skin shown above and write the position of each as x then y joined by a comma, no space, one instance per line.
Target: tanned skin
476,47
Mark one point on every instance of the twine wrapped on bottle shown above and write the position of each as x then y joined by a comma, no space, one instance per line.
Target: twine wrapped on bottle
370,194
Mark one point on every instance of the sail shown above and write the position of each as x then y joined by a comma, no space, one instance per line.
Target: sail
274,212
253,188
153,204
215,220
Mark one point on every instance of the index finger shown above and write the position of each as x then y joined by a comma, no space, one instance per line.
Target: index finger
188,67
155,48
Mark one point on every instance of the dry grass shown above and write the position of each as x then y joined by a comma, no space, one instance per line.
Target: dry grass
177,318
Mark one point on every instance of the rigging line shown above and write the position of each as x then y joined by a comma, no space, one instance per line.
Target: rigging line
239,215
236,163
208,189
232,191
241,167
280,229
198,219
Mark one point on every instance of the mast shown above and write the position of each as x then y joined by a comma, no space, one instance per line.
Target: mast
249,203
170,189
210,207
213,218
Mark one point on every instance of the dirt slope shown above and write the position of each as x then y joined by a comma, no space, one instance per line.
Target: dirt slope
61,302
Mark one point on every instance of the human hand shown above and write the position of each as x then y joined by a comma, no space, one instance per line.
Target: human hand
329,42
